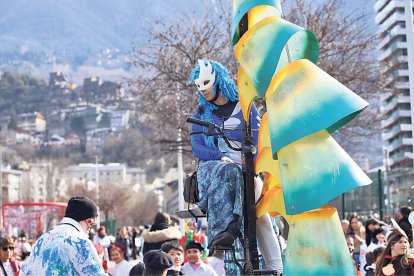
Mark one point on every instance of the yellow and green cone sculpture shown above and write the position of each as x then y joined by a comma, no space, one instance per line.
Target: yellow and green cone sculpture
304,166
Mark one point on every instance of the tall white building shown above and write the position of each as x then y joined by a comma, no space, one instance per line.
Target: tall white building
395,28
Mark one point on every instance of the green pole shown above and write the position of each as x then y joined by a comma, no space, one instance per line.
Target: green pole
381,200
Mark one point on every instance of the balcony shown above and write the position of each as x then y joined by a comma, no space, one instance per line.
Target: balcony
394,117
396,131
390,20
402,84
379,4
394,32
395,46
399,143
401,156
385,12
393,104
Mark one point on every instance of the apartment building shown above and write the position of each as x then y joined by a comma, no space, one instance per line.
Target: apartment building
395,29
111,173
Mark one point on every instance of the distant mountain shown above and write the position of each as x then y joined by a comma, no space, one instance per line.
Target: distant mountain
77,32
84,37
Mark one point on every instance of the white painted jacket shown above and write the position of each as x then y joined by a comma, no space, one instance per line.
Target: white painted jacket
65,250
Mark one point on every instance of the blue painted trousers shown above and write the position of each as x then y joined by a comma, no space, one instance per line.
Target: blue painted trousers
219,185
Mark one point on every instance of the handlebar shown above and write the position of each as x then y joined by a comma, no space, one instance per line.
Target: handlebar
211,127
198,122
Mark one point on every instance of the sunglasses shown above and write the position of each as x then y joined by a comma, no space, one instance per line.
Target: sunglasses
4,248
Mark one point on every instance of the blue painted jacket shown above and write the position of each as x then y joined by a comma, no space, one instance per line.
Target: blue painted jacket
235,125
65,250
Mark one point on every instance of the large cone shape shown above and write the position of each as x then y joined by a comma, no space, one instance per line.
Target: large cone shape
261,55
317,245
302,99
314,170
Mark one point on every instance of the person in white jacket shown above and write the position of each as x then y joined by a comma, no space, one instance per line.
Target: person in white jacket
66,250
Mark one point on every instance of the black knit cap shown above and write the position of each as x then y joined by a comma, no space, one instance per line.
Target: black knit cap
157,260
194,245
81,208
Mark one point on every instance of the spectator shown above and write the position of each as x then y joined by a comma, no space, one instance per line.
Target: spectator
377,240
175,251
370,226
122,267
156,262
195,266
66,250
345,226
357,231
103,240
350,243
161,231
405,224
216,261
124,242
371,258
9,266
396,259
100,251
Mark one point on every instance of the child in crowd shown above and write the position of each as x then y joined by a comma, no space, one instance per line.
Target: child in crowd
195,266
372,258
157,262
175,251
351,247
122,267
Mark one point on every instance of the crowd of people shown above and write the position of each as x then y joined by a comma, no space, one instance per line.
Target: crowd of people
69,249
378,248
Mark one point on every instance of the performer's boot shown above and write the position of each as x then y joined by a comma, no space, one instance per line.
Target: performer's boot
269,244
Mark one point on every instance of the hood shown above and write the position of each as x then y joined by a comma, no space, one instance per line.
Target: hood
169,233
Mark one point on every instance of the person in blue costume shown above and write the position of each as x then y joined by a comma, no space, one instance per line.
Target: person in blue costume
219,172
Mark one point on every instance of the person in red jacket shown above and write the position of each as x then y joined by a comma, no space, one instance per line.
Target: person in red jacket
8,265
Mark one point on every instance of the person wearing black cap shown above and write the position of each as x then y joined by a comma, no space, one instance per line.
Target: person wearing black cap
195,266
66,250
156,262
175,251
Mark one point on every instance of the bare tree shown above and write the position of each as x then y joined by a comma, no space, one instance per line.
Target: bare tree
141,210
112,198
164,64
346,52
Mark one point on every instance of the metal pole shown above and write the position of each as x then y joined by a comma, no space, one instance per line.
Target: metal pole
97,178
98,223
409,18
381,199
180,162
180,178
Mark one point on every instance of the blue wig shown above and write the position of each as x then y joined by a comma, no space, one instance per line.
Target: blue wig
226,87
